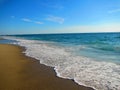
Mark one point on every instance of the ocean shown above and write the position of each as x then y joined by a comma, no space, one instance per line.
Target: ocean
90,59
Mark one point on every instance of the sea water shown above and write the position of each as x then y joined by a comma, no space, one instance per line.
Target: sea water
90,59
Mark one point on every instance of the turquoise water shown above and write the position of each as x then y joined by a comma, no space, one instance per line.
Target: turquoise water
100,46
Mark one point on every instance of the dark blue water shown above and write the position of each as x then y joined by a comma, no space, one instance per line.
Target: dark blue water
100,46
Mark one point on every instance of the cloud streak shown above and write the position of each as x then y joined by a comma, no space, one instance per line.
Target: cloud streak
55,19
29,20
26,20
114,11
38,22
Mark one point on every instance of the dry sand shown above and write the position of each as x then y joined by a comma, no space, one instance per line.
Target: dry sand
19,72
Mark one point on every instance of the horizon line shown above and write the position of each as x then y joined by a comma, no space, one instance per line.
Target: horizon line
58,33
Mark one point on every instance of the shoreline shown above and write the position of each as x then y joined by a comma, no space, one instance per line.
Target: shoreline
1,38
18,71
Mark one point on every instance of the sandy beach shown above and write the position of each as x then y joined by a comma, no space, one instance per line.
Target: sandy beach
19,72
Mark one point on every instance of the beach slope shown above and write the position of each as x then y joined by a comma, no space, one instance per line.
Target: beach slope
19,72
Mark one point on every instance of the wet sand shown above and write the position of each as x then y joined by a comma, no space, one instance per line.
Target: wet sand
19,72
1,38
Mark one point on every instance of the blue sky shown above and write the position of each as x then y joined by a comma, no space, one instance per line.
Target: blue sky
59,16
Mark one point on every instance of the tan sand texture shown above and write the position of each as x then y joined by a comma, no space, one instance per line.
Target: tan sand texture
19,72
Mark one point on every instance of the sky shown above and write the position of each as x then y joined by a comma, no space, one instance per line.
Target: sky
59,16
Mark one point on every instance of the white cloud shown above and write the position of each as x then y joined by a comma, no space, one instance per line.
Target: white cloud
55,19
26,20
29,20
38,22
114,11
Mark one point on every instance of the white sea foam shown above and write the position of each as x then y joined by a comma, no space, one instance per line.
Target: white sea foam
84,71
